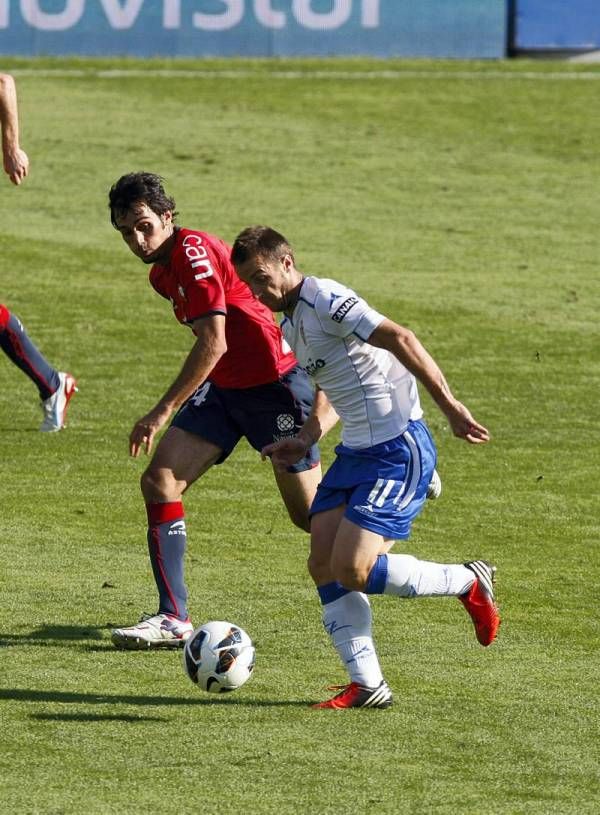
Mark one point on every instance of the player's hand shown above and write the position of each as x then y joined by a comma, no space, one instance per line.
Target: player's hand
144,431
464,425
284,453
16,165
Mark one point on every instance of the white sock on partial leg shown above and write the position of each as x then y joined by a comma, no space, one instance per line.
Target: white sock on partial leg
409,577
347,620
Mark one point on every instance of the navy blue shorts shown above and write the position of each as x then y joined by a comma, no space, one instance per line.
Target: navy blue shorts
263,414
384,487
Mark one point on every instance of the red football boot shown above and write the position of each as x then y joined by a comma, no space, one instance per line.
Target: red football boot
479,601
355,695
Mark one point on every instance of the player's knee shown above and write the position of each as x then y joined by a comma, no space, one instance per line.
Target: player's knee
351,575
318,568
299,517
159,485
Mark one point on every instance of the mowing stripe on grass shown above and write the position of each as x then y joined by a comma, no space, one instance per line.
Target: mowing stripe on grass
146,73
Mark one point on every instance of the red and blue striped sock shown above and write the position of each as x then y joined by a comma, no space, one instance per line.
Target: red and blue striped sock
166,545
19,348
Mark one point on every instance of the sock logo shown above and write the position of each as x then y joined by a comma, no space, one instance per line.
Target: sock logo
364,651
177,528
333,627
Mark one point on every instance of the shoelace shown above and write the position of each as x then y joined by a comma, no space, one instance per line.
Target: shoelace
341,688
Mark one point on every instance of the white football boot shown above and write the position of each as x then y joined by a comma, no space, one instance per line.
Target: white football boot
434,490
153,631
55,406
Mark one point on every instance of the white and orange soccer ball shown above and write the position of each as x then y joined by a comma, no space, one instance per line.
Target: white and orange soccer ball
219,657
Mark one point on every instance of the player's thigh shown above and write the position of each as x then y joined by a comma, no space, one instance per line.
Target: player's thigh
297,491
354,552
180,458
323,530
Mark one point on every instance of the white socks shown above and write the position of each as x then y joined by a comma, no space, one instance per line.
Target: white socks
347,620
409,577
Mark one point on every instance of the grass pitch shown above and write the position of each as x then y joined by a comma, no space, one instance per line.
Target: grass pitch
461,199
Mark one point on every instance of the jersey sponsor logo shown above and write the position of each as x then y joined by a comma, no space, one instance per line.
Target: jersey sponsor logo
202,275
314,365
341,312
198,256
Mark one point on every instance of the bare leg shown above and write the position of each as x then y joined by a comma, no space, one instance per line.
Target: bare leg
298,491
180,459
346,614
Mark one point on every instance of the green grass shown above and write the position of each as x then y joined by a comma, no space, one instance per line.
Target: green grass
464,207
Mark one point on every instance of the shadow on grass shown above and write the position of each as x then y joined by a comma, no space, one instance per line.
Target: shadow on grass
67,697
95,717
57,635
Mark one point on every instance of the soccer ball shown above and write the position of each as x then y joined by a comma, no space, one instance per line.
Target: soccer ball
219,657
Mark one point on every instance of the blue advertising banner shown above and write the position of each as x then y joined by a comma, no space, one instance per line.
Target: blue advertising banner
557,24
198,28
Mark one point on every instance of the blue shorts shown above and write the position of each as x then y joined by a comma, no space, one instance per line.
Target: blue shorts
263,414
384,487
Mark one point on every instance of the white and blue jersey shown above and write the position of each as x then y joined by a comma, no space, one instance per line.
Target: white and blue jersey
387,455
372,392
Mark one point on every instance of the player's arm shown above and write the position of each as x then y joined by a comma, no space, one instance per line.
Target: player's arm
208,349
321,419
16,163
404,345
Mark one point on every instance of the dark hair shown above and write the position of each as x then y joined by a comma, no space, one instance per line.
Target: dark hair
139,187
259,240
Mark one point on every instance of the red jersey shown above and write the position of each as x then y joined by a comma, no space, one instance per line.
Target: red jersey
200,280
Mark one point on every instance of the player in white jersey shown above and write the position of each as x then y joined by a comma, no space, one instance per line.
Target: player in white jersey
373,392
368,367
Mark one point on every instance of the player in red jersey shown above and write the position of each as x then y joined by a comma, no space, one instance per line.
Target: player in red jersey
239,379
55,387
